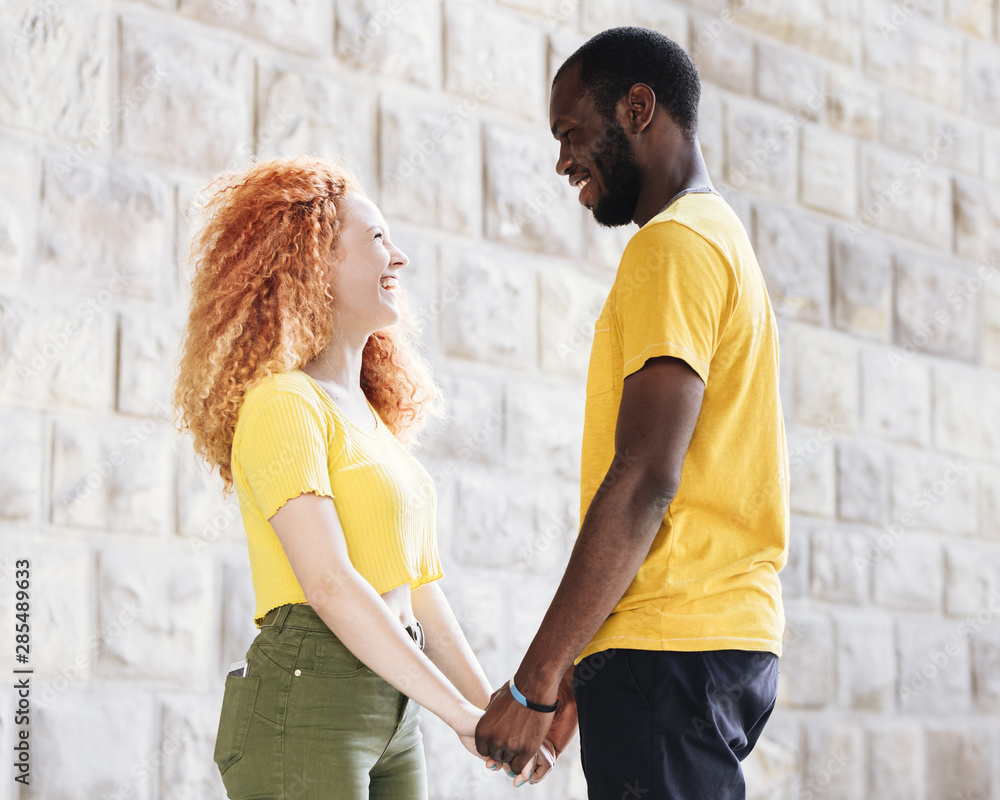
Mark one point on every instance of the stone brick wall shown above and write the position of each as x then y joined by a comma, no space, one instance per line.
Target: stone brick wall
859,140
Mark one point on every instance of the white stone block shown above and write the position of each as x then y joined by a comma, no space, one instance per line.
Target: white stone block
56,62
908,569
826,379
527,203
569,304
116,476
972,581
186,99
866,662
493,56
862,483
918,56
105,231
148,348
155,645
896,754
302,111
496,317
982,71
939,492
545,427
829,172
430,166
977,219
475,421
791,82
934,667
62,641
811,472
761,150
836,552
204,514
807,661
935,313
524,525
853,105
599,15
793,254
966,405
102,738
187,733
238,602
989,501
395,38
906,195
60,354
862,285
896,395
305,26
906,123
834,764
20,189
986,664
21,436
960,761
723,54
827,29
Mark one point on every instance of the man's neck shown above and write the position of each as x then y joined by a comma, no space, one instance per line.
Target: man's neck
668,176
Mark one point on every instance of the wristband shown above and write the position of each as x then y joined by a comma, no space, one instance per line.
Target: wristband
524,701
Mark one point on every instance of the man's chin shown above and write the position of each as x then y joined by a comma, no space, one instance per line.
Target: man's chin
611,218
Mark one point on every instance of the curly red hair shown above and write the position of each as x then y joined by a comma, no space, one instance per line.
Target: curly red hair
261,299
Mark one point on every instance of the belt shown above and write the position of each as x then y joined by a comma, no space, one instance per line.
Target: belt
416,633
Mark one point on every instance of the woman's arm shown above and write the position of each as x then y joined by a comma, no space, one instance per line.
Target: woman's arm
310,533
446,645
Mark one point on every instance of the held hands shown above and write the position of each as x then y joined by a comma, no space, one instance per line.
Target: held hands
527,743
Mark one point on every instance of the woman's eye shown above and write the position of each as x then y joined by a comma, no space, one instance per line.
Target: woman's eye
380,235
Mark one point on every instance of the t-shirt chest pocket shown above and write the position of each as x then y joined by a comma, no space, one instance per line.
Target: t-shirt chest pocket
600,373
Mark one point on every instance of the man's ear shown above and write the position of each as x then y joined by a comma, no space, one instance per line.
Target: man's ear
640,105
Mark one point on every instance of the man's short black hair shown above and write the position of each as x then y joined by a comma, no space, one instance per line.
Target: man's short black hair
615,60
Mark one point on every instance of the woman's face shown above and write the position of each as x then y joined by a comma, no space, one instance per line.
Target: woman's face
365,269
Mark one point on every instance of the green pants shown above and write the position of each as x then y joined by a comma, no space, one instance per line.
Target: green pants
309,721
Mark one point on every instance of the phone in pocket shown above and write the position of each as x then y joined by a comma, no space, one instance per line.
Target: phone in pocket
238,669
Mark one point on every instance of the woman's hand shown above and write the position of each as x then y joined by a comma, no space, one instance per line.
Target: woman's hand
464,724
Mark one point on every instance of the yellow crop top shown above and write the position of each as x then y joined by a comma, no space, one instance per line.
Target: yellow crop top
291,438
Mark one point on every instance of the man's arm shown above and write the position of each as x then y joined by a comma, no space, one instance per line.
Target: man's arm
659,408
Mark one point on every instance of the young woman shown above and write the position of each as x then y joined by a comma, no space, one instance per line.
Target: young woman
297,382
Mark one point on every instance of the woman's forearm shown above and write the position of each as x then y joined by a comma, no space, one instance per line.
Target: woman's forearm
357,615
446,645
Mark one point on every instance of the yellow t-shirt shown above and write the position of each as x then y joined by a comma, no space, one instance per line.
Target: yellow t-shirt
689,287
291,438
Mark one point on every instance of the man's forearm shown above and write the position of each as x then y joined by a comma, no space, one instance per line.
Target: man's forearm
615,538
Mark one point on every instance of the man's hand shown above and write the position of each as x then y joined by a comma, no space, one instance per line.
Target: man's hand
509,733
563,728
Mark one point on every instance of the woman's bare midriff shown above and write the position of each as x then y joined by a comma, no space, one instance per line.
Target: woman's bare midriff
399,603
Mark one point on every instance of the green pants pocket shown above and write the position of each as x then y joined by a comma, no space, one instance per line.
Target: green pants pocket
237,708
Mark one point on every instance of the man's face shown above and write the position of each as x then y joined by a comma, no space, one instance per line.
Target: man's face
594,152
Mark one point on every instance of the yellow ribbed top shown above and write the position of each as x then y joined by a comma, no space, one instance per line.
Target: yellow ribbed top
292,438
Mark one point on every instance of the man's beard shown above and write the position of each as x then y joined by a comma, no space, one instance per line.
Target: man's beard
616,162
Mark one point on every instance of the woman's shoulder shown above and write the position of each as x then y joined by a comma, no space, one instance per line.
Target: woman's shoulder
278,389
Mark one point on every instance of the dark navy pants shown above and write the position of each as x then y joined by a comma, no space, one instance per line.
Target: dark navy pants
670,725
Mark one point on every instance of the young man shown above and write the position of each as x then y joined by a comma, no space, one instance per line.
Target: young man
670,605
